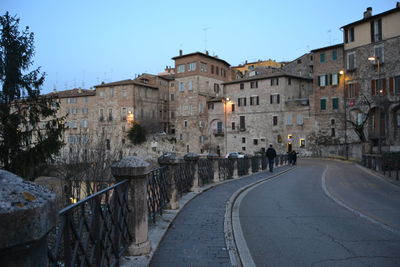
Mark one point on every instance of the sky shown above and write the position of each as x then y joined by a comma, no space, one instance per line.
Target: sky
81,43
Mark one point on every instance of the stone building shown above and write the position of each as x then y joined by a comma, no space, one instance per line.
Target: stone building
372,69
247,67
198,77
328,95
268,108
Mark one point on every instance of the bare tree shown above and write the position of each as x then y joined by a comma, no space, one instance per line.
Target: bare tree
361,117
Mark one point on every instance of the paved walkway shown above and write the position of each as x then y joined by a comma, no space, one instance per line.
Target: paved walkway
196,237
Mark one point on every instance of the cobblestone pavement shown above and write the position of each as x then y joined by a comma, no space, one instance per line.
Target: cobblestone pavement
196,237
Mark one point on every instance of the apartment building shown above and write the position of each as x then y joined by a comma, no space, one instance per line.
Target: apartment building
242,69
198,77
328,95
372,69
272,107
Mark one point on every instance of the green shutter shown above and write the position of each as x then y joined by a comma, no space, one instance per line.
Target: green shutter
323,104
335,103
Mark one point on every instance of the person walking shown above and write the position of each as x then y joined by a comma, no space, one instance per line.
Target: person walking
271,154
294,157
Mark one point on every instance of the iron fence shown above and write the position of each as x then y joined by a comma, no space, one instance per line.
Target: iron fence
387,164
206,172
93,231
157,195
255,163
184,177
243,166
264,161
225,168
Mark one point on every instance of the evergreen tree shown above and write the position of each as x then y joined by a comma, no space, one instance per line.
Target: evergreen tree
30,132
137,134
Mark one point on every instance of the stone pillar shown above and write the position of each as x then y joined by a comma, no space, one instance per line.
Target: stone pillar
171,161
235,169
27,213
193,158
136,170
214,164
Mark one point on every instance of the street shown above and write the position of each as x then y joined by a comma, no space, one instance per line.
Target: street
322,213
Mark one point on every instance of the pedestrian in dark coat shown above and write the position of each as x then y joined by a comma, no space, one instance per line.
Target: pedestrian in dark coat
289,155
271,155
294,157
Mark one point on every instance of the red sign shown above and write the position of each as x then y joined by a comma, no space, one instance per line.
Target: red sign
352,102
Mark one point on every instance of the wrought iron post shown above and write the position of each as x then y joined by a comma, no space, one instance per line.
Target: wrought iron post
235,168
193,158
214,163
171,161
136,170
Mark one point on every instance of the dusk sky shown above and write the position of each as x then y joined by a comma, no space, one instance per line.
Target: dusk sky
82,43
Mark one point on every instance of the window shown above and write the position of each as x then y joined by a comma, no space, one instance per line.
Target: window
172,97
203,67
216,88
233,107
242,123
233,126
274,81
141,113
185,124
322,104
322,57
255,142
334,54
379,53
397,85
349,35
332,121
124,94
210,106
254,100
84,124
289,119
85,110
302,142
181,68
378,86
192,66
108,144
201,139
190,109
376,30
243,148
101,114
217,70
274,99
241,101
190,85
289,81
101,94
72,100
334,79
241,86
300,119
172,114
335,103
181,87
275,120
111,91
351,90
201,124
254,84
333,132
351,61
201,107
299,61
110,116
322,80
243,140
212,69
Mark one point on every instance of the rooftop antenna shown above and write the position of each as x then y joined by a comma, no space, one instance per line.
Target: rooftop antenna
330,37
83,79
205,38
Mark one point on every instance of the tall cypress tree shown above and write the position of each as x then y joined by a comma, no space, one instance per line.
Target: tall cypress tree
30,132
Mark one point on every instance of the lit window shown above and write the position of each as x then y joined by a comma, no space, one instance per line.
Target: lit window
302,142
181,68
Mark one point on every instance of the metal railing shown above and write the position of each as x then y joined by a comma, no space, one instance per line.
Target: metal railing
243,166
157,196
225,168
184,177
387,164
93,231
206,172
255,163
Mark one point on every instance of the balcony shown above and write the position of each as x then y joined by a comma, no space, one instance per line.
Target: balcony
218,132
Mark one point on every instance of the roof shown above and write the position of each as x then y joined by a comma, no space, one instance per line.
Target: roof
126,82
327,47
76,92
278,73
363,20
202,54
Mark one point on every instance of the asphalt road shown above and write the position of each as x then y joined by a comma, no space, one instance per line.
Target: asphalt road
322,213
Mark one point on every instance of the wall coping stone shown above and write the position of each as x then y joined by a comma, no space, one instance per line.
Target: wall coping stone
191,157
130,167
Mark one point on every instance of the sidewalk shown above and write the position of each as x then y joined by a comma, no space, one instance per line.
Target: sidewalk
196,235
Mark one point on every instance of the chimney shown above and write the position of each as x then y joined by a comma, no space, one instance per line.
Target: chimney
207,52
368,13
180,52
397,4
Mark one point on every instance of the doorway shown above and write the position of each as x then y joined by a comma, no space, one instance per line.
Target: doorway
289,147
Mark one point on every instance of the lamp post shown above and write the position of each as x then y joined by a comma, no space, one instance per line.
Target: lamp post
342,73
225,100
377,59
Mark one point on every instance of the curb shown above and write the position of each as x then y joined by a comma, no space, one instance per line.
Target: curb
238,251
156,237
378,175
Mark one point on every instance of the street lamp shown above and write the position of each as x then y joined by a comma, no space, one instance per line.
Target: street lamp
225,100
377,60
342,73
